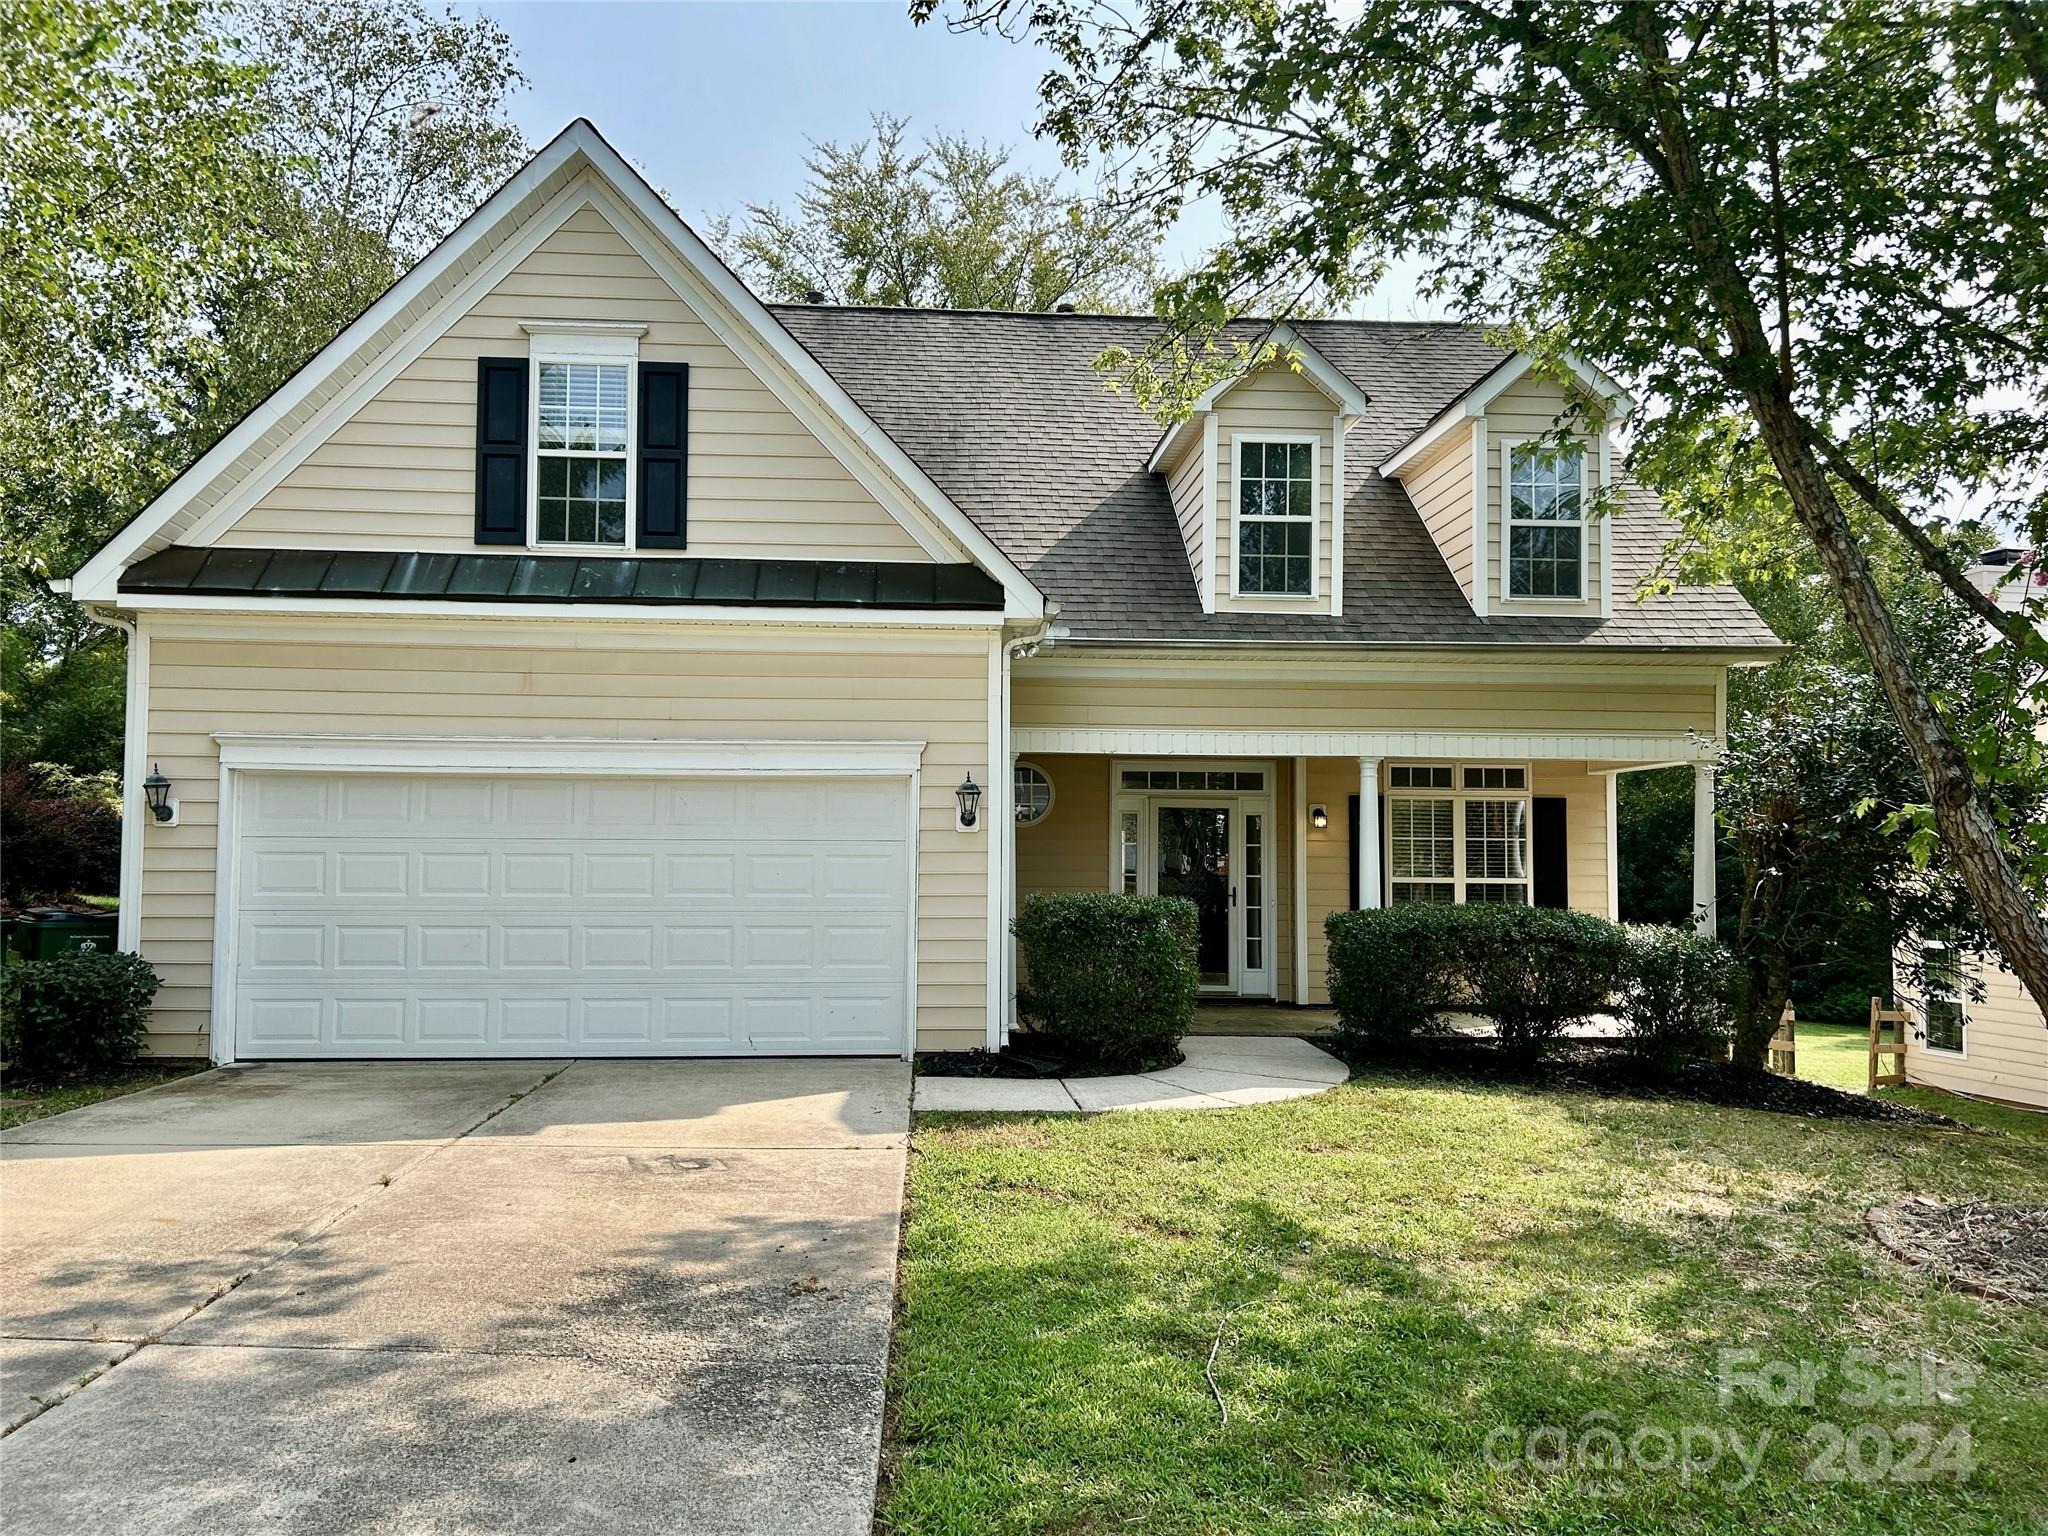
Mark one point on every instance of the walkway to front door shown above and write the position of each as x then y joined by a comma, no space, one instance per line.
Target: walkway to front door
583,1296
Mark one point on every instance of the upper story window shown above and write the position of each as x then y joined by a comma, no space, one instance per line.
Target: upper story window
582,446
1276,518
1546,525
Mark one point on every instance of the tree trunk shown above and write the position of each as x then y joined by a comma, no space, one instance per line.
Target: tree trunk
1968,833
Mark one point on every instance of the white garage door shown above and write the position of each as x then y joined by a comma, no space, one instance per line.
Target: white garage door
379,915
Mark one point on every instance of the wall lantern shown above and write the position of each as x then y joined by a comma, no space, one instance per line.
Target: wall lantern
969,795
157,790
1319,816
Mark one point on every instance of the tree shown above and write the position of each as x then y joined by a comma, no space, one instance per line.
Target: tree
383,126
1821,219
199,199
951,226
131,143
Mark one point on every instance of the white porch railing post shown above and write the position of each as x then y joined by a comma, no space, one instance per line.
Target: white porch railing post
1703,899
1369,877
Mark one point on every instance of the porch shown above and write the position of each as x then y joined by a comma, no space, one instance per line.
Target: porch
1267,846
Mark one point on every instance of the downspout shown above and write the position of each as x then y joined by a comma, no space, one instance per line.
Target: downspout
1028,644
134,749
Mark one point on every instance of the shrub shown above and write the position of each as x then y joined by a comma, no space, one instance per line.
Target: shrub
1107,978
1536,971
1392,971
1679,1003
60,833
78,1012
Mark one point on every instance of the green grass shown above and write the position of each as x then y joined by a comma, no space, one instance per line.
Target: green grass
1839,1055
1400,1267
37,1100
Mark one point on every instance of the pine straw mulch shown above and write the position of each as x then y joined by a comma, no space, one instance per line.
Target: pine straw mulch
1987,1248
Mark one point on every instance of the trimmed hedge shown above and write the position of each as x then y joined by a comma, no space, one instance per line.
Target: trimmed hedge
1534,971
1679,1003
1393,971
1109,979
79,1012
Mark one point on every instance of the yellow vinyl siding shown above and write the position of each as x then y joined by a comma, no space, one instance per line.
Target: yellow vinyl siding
1526,409
1603,703
400,473
2005,1043
935,691
1277,401
1186,487
1441,489
1069,849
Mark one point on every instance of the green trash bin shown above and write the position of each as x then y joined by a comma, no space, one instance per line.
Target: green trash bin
43,933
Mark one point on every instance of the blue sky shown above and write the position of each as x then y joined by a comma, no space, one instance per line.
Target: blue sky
718,102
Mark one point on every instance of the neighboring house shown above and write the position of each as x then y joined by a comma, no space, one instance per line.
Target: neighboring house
1995,1044
579,656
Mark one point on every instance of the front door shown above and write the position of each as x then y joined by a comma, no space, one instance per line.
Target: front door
1192,852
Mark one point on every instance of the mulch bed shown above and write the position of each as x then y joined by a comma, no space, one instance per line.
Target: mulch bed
1603,1067
1983,1247
1027,1057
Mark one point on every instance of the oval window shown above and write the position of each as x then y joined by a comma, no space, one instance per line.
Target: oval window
1033,794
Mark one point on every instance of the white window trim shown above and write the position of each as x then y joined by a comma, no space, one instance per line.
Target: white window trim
1959,995
583,342
1052,792
1315,516
1509,522
1459,794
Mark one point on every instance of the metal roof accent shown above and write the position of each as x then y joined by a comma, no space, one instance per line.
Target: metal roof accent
190,571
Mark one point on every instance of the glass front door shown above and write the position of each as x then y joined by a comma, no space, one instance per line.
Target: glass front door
1193,859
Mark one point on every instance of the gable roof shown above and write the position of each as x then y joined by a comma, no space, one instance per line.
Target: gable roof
576,168
1005,411
1344,395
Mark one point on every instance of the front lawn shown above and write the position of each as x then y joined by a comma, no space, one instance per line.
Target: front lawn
1436,1301
27,1099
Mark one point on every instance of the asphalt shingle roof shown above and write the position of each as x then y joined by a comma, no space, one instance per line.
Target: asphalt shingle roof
1005,413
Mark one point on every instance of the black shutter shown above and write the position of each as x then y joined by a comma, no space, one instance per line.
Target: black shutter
1351,815
501,450
1553,887
664,448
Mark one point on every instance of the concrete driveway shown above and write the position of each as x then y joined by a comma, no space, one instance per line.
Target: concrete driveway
537,1296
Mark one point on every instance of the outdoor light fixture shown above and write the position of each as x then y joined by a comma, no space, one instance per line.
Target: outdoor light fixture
1319,816
157,789
969,794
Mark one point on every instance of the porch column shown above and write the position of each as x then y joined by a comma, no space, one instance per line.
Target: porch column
1300,820
1369,878
1703,847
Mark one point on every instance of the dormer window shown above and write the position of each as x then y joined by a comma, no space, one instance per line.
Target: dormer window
1546,532
1276,517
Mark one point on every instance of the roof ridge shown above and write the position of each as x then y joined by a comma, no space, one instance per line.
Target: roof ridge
791,306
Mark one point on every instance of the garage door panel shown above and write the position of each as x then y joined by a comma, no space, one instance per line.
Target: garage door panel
395,917
350,1021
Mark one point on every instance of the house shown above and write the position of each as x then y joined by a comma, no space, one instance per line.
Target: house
581,656
1974,1028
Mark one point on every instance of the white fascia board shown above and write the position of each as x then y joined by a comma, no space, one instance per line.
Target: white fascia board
681,616
704,264
95,579
1473,403
318,752
1347,397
